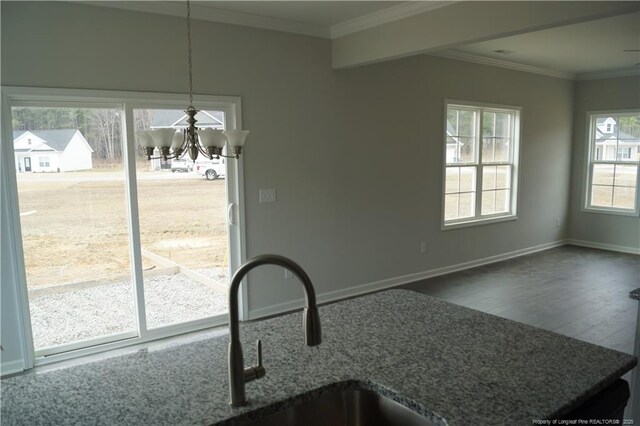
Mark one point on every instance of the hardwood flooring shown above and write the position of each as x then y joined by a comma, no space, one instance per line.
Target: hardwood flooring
575,291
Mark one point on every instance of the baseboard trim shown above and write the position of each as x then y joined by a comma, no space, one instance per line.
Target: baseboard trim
611,247
11,367
361,289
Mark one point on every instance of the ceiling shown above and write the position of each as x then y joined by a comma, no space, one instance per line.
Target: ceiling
578,50
587,47
320,13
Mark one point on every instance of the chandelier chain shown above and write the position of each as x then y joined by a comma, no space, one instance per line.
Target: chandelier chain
189,53
192,142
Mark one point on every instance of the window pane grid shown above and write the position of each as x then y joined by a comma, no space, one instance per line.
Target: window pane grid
460,179
493,133
461,136
614,148
459,192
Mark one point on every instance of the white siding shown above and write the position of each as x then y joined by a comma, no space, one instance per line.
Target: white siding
36,158
77,155
27,140
45,161
35,161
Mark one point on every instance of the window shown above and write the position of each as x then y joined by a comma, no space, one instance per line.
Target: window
480,173
612,176
44,161
624,153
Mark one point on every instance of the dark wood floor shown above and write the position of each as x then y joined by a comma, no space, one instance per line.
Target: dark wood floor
575,291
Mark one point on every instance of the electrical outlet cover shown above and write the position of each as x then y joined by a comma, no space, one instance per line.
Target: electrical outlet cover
267,196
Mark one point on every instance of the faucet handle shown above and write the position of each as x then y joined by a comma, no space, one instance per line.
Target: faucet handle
259,350
258,371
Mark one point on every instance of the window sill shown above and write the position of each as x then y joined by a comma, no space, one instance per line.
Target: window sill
615,212
477,222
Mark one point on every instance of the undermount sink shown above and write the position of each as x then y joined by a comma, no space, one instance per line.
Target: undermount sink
345,407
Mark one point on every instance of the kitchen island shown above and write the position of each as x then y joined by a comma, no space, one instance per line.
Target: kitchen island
455,365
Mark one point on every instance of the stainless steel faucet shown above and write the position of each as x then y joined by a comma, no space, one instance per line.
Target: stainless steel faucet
238,375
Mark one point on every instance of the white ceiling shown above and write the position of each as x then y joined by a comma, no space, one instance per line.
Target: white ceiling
587,47
327,19
320,13
578,50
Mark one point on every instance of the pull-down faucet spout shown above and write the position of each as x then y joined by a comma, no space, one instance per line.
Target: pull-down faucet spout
238,375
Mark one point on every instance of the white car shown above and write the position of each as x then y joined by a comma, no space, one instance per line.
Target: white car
211,169
181,166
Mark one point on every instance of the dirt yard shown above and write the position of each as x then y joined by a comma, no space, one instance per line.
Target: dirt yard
75,227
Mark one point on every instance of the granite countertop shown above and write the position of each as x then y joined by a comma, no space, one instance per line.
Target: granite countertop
635,294
457,365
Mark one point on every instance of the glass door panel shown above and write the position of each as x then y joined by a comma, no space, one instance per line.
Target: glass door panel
183,227
71,190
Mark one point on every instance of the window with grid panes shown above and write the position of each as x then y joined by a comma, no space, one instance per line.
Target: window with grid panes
614,158
481,146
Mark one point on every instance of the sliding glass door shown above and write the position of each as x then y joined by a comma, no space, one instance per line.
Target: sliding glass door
73,214
183,227
117,249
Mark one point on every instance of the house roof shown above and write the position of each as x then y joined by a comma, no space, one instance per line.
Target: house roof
57,139
178,118
603,136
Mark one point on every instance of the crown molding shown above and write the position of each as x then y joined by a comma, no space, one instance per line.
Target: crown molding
205,13
393,13
468,57
211,14
624,72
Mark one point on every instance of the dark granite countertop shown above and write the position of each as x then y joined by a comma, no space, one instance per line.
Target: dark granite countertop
457,365
635,294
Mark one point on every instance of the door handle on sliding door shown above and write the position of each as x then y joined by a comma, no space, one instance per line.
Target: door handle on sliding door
230,217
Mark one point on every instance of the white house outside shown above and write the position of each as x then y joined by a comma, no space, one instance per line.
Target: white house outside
61,150
613,144
177,119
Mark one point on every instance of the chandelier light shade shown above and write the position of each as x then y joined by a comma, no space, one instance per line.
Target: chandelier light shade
236,139
172,144
162,138
144,140
213,140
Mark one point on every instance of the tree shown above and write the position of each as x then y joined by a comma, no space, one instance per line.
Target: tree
630,125
32,118
106,127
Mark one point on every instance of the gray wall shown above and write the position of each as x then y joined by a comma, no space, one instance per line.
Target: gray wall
600,95
355,155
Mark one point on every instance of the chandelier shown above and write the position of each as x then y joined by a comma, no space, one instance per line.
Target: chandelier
208,142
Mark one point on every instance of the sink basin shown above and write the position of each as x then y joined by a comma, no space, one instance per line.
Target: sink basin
345,407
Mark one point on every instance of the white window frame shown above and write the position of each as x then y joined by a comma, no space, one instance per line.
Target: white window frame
590,161
126,102
478,219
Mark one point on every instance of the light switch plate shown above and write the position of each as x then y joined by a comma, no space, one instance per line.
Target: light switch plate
267,196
